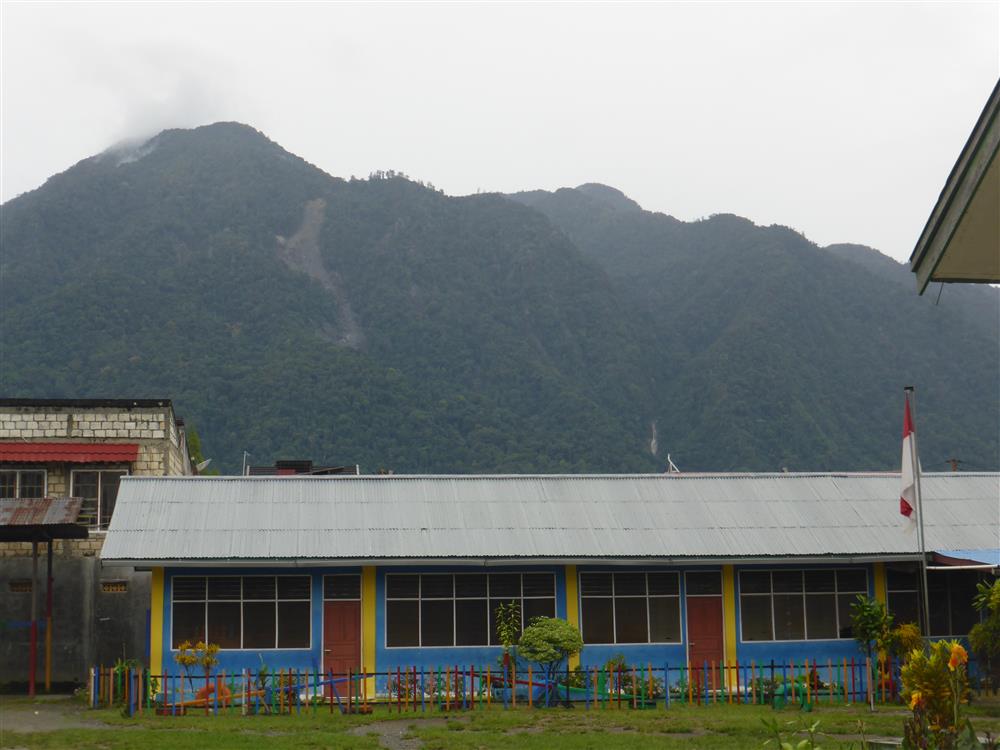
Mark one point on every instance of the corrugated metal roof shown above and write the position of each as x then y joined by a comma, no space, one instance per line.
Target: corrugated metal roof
68,452
566,517
39,511
26,519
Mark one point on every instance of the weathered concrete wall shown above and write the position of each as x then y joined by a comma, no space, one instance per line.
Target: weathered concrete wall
90,626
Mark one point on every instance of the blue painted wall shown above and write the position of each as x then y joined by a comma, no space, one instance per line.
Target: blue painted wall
449,656
762,652
233,661
642,654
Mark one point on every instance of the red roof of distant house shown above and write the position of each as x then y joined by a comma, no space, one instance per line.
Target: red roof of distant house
68,452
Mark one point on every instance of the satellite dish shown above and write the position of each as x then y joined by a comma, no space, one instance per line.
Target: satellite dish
202,465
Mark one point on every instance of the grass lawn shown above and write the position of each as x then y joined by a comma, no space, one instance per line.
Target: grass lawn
67,724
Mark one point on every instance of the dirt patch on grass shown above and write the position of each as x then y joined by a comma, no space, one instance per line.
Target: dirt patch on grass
45,715
396,735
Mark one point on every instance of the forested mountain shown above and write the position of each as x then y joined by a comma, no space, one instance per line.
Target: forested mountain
293,314
782,353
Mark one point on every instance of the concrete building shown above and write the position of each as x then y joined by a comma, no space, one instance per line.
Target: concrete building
56,448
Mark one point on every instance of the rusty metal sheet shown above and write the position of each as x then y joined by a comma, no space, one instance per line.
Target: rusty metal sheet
45,511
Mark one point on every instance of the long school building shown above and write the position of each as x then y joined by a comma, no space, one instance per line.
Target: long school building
374,572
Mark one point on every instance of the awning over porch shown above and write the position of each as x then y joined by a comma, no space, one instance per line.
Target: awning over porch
967,558
79,453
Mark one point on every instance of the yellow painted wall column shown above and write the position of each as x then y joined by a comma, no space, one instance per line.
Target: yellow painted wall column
729,619
881,593
572,607
368,638
156,623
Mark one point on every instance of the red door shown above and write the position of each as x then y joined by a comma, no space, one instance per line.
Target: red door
705,644
342,636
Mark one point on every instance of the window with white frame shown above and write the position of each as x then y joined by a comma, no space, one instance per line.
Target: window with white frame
630,607
797,605
22,483
951,595
446,609
99,490
249,612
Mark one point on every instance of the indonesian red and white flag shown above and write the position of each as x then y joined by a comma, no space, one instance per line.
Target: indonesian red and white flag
908,493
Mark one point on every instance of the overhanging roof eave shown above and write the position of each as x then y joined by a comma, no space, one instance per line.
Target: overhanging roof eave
964,179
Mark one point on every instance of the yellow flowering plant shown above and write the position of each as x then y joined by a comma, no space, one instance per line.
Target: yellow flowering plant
200,654
935,684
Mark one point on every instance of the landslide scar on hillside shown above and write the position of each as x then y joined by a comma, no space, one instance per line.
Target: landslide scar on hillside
301,252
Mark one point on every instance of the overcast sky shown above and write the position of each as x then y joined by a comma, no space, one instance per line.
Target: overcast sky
840,120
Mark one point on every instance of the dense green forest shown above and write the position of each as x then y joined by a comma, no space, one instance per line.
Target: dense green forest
293,314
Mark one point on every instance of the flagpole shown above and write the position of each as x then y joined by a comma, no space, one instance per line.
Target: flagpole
918,497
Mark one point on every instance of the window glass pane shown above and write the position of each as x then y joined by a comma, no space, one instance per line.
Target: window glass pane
844,602
939,604
223,587
494,603
755,582
401,623
258,625
293,624
342,587
533,608
665,619
852,580
470,586
630,584
258,587
85,486
598,621
789,622
188,587
787,581
905,606
821,616
939,613
437,622
631,624
663,583
595,584
224,624
294,587
755,617
188,623
402,586
109,494
963,588
901,577
704,583
8,484
539,584
819,581
471,622
436,586
32,484
504,585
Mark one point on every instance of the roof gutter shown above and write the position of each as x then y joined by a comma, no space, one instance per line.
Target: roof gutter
490,562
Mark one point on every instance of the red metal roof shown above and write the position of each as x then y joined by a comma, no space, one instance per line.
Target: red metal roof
68,452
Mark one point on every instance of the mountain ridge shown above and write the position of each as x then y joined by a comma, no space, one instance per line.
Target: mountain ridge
293,313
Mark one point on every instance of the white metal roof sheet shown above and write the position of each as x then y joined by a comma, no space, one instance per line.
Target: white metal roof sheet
293,519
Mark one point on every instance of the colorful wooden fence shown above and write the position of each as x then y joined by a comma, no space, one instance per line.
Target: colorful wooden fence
458,688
